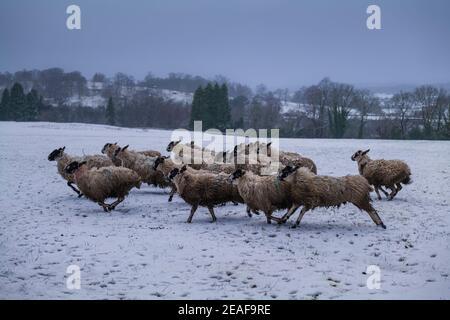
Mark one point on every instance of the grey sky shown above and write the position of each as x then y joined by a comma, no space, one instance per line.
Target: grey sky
276,42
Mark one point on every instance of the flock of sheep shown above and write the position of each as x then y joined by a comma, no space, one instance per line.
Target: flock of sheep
210,179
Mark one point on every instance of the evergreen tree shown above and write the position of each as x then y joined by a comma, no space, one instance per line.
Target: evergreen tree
197,105
110,113
5,105
224,115
17,106
30,111
208,109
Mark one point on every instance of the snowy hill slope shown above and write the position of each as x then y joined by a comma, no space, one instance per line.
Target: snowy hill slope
145,250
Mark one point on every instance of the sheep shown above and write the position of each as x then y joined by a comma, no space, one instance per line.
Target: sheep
314,191
264,193
288,158
62,159
203,189
143,165
165,165
379,173
98,184
110,148
196,157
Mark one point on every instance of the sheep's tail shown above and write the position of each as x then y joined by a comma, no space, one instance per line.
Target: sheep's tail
407,180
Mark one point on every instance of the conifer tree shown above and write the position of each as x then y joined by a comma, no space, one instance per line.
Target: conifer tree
5,105
110,113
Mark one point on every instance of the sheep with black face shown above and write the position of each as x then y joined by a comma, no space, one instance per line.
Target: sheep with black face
107,182
389,173
63,159
311,191
206,189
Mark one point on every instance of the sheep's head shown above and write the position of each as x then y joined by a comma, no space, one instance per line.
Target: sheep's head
107,146
359,154
174,172
236,175
119,150
286,172
171,145
55,154
158,161
73,166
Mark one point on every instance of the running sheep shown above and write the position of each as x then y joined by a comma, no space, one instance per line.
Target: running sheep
63,159
379,173
262,193
142,165
110,148
288,158
311,191
107,182
203,189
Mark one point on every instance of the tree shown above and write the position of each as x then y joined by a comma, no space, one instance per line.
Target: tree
197,109
403,104
5,105
223,115
341,100
32,106
365,103
17,103
110,113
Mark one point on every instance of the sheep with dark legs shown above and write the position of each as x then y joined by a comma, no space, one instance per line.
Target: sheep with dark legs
311,191
262,193
107,182
389,173
203,189
63,159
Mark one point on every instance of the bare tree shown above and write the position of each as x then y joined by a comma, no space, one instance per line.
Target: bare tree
403,104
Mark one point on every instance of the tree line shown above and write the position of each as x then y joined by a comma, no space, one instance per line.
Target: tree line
325,110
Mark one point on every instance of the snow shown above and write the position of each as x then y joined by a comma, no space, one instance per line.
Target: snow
145,250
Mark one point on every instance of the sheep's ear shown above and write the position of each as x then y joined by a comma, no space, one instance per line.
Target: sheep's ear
364,152
115,142
124,148
63,148
235,148
296,168
82,163
165,157
176,142
183,168
269,144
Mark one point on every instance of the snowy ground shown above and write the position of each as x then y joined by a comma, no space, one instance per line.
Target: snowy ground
145,250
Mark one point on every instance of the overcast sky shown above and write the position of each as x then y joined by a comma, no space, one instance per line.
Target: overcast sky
280,43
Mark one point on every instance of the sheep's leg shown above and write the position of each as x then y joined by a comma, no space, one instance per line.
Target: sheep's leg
113,205
104,206
270,217
399,186
300,216
384,191
171,194
248,212
193,209
393,192
377,192
288,214
372,213
211,211
74,189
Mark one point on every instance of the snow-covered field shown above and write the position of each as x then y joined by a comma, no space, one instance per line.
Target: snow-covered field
145,250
